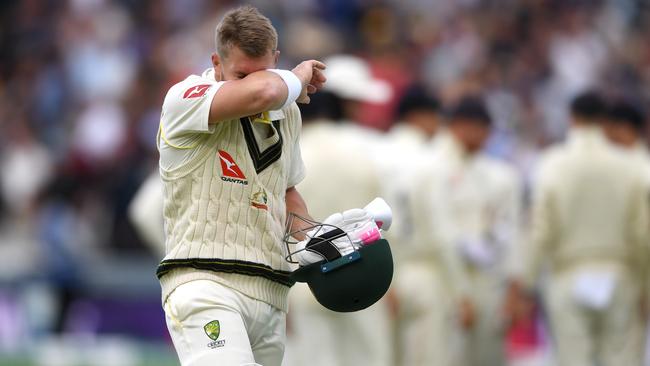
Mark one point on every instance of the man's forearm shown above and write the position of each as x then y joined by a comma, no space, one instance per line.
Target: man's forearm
296,205
265,90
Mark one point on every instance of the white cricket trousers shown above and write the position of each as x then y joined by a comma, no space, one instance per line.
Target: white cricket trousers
213,325
484,343
427,329
321,337
613,335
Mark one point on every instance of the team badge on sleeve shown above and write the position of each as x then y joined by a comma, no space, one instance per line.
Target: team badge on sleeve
196,91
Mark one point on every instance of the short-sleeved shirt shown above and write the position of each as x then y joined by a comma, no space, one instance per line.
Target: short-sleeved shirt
224,188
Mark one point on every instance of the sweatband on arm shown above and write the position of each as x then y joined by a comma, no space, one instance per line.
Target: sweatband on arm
294,85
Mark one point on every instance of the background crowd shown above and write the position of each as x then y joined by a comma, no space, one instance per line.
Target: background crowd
82,82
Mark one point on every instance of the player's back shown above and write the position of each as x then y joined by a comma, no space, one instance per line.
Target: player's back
342,173
590,191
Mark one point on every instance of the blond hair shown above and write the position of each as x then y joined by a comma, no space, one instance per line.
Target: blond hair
247,29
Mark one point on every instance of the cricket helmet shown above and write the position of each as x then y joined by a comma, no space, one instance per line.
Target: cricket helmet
353,267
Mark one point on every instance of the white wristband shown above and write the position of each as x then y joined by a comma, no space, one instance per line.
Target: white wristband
294,85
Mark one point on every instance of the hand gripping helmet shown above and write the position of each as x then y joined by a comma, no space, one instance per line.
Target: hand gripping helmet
344,260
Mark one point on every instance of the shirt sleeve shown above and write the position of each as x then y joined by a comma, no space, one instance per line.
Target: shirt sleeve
297,166
186,110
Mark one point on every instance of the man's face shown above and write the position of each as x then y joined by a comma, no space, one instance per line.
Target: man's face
424,119
471,134
621,134
236,65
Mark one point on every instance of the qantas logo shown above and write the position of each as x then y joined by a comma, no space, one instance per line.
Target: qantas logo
196,91
229,169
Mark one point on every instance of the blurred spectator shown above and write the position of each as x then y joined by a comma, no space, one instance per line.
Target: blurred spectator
25,169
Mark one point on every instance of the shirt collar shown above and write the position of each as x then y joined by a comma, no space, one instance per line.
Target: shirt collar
209,74
403,131
447,143
586,135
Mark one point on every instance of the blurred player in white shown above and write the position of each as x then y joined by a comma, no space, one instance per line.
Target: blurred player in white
471,204
229,161
145,213
404,151
626,127
590,228
424,312
343,175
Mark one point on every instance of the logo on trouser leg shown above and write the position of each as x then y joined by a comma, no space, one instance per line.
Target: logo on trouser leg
213,330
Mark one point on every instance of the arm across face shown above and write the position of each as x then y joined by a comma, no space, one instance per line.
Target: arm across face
262,90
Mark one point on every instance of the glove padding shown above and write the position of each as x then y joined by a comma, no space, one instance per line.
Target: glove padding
344,232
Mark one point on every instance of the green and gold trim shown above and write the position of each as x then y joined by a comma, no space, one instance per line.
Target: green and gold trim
227,266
